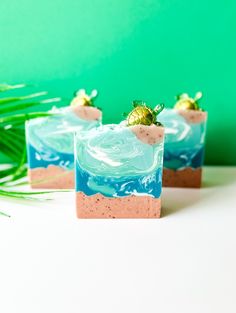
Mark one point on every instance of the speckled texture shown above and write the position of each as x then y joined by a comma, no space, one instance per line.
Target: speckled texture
87,113
52,177
148,134
188,177
193,116
99,206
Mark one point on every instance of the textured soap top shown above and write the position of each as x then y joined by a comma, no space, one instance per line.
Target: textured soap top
55,133
193,116
87,113
150,135
118,150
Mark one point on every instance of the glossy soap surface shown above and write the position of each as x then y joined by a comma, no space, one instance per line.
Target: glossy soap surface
50,140
184,141
112,161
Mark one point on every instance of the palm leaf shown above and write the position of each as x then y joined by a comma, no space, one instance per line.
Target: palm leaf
20,119
7,172
6,87
4,214
11,100
12,137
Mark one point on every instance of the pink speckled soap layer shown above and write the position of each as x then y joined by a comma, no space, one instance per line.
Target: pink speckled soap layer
193,116
185,178
99,206
86,113
150,135
52,177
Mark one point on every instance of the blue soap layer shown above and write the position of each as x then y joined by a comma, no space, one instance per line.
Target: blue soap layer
49,157
119,187
181,159
184,141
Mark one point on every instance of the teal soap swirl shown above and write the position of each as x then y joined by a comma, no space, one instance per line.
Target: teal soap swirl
184,142
50,140
112,161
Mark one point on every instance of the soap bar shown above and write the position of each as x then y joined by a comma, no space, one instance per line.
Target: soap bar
50,145
119,171
184,147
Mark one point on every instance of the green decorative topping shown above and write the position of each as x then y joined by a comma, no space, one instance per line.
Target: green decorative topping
185,102
81,98
142,114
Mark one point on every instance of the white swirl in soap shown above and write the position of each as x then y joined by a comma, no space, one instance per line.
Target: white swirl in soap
114,150
179,133
56,132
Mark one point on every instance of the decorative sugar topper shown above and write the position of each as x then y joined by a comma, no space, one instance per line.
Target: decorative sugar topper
185,102
83,105
144,115
83,99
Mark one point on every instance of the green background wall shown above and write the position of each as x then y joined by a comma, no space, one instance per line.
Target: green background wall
128,49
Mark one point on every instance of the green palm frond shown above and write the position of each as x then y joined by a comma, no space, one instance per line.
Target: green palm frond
12,135
6,87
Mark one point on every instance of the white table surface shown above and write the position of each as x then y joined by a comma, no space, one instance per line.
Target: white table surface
51,262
